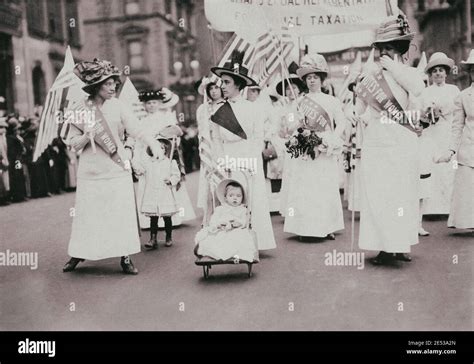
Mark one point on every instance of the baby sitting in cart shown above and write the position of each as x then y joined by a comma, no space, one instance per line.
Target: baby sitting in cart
228,235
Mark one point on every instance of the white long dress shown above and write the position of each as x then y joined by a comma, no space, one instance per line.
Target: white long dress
231,146
105,223
289,122
389,214
314,203
442,175
462,142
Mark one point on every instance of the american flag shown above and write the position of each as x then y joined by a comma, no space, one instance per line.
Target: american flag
51,119
271,51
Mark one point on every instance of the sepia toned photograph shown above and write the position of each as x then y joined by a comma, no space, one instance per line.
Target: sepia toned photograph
238,166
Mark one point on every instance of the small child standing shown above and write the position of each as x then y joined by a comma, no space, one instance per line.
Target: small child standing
161,177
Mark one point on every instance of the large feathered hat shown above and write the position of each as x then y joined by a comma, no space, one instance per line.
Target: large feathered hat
234,66
93,73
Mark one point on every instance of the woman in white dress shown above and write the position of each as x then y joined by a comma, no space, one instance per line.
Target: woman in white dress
439,98
389,159
314,203
232,147
462,146
290,88
104,224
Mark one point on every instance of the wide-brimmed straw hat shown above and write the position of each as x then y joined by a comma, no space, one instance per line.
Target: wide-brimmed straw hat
394,28
220,190
93,73
470,60
315,63
439,59
234,67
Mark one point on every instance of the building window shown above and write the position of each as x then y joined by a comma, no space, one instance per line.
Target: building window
168,7
135,54
55,24
39,86
171,56
72,23
132,7
35,15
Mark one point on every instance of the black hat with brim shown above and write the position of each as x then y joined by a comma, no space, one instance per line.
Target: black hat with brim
292,80
242,74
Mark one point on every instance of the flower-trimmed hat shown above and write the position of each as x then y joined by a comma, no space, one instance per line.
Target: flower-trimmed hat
439,59
93,73
469,61
234,67
394,28
165,96
315,63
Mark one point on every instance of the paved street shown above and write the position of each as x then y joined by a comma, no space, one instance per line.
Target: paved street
291,289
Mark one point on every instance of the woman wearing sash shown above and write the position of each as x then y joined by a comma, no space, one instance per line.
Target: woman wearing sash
438,106
314,203
105,221
233,147
290,88
389,160
462,146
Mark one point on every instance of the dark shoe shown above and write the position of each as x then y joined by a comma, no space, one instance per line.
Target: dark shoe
331,237
71,265
152,243
127,266
169,243
382,258
404,257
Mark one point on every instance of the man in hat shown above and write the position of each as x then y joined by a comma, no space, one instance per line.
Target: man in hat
238,134
389,164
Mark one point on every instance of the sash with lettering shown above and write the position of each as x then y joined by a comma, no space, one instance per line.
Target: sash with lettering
375,91
316,118
104,138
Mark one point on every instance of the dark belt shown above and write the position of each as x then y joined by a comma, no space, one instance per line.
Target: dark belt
423,176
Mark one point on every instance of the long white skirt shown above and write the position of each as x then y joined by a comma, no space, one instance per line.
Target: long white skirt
105,221
389,205
288,167
462,204
314,203
442,174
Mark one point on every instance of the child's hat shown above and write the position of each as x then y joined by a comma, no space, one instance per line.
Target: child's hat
221,187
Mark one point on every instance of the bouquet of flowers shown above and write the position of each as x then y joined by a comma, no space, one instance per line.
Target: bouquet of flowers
304,143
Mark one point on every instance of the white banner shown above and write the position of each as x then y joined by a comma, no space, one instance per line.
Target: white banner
249,18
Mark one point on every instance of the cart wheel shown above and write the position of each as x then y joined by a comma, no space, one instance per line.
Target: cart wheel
205,271
250,269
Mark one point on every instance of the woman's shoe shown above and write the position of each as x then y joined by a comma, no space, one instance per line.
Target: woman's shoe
404,257
382,258
423,232
169,243
331,236
71,264
127,266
